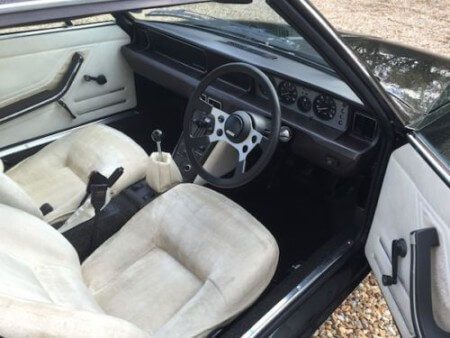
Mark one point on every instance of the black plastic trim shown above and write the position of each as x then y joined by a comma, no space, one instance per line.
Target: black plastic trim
422,241
50,11
45,97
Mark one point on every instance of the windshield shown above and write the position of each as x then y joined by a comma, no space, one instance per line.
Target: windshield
417,77
256,23
418,82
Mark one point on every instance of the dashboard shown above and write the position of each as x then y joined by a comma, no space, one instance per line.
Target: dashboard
321,107
329,123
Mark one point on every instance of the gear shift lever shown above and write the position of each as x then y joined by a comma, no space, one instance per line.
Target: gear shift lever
157,137
162,172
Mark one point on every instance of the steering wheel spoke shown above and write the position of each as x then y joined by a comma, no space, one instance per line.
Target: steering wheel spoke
219,117
246,147
240,168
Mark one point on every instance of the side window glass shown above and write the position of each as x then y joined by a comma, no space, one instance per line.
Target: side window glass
437,136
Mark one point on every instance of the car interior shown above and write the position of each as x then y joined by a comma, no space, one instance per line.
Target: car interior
220,174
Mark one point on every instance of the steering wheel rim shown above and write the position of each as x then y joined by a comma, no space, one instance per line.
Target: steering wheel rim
253,137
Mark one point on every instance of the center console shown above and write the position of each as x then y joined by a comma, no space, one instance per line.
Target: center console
184,163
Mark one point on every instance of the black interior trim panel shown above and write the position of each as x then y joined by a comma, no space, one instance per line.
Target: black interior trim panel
45,97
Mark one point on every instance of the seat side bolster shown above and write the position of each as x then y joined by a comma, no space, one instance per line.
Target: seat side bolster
13,195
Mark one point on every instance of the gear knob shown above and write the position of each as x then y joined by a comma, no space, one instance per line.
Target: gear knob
157,137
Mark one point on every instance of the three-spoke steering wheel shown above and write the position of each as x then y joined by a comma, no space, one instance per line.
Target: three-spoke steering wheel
242,130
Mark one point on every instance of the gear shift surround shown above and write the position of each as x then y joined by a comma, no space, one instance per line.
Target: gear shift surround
162,172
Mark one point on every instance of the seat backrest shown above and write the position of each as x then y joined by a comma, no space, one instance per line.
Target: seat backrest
93,147
13,195
58,173
42,292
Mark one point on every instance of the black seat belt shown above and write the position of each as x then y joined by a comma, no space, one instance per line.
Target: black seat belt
97,188
101,183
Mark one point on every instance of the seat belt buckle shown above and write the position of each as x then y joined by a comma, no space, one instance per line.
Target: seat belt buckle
98,195
97,179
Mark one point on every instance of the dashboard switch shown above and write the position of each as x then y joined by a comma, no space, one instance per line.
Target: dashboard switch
285,134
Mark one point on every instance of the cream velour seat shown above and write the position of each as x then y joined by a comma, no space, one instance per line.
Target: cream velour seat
58,173
185,264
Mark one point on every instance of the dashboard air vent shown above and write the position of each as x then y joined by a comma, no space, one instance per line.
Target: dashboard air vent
364,126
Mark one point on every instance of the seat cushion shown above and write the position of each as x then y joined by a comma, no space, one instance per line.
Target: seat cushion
135,293
58,174
183,265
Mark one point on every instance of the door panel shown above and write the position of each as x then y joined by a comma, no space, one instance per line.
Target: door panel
33,64
413,197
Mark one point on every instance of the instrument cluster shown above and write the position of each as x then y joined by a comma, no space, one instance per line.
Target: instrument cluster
312,104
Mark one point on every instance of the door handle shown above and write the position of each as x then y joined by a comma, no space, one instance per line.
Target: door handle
399,249
101,79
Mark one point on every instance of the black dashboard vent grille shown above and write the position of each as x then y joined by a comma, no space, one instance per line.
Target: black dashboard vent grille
364,126
251,50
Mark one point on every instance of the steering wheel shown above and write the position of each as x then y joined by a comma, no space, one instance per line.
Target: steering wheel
242,130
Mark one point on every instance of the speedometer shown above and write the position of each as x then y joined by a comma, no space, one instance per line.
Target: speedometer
324,107
287,92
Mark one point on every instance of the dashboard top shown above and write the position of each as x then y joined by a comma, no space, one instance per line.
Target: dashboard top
276,64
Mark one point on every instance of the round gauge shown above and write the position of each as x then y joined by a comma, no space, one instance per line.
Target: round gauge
324,107
287,92
304,104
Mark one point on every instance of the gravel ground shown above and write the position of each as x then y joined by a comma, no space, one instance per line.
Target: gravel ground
420,23
363,314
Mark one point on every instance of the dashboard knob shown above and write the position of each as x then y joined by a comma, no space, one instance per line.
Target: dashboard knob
285,134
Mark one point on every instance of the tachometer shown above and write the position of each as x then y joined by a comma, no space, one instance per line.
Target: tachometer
324,107
287,92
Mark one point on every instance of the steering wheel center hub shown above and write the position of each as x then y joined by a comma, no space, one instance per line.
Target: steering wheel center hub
238,126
